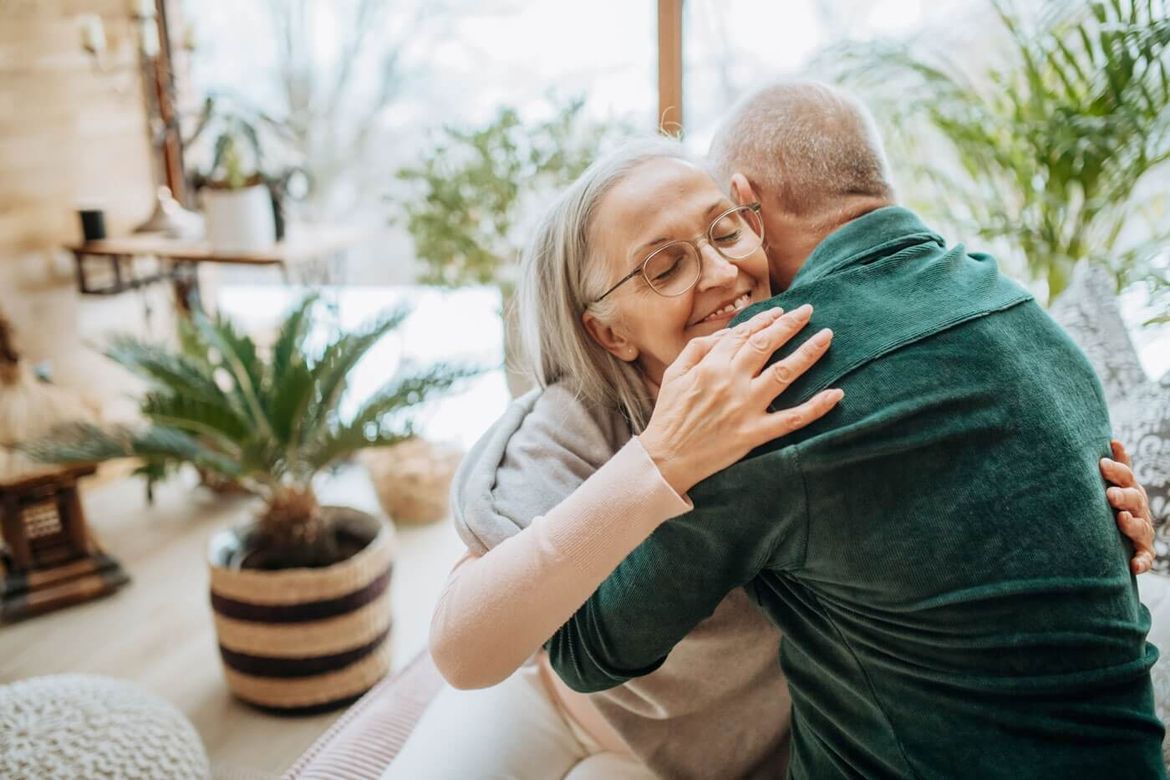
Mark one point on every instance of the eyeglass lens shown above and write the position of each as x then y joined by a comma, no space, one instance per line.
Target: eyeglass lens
672,269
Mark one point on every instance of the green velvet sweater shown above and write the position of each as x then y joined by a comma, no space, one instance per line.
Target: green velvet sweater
954,593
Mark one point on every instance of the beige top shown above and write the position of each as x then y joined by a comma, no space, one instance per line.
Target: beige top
718,706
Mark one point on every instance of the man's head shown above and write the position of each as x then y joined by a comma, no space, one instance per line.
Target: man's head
811,155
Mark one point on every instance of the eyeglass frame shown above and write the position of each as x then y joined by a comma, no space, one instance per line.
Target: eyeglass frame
754,207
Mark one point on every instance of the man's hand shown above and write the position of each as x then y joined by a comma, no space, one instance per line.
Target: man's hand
1131,505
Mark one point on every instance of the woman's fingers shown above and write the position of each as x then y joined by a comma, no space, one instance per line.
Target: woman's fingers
776,378
786,421
1117,473
1130,499
1141,533
692,354
1132,507
1119,453
1142,563
734,338
754,352
1125,491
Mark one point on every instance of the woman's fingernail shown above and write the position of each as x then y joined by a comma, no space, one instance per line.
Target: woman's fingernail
1113,493
824,336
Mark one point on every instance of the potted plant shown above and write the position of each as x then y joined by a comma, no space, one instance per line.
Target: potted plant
237,205
1057,153
243,194
299,590
473,198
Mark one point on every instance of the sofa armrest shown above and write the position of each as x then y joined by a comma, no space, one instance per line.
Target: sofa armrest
363,741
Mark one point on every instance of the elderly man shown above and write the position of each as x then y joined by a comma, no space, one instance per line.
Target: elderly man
953,592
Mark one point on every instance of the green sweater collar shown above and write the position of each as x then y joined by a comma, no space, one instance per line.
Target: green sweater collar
878,233
882,281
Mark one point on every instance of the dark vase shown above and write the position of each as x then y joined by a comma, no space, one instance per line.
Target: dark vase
93,224
276,193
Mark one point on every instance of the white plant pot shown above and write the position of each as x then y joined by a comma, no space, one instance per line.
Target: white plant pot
239,220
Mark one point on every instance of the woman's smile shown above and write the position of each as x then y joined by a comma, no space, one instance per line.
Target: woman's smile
723,314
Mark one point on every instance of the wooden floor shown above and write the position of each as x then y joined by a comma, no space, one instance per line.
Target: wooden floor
158,631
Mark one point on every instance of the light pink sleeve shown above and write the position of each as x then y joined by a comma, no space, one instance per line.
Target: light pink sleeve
499,608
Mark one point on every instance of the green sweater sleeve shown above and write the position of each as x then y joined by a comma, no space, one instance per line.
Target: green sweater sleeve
678,576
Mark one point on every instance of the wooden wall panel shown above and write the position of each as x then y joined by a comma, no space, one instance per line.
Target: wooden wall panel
670,66
72,130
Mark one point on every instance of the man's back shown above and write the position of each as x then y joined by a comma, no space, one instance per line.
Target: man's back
958,593
938,551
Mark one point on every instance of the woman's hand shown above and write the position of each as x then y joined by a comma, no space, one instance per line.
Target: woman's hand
712,406
1132,506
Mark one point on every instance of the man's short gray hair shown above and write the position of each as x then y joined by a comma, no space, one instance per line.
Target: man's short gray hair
806,143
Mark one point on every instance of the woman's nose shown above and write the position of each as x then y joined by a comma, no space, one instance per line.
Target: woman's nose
718,271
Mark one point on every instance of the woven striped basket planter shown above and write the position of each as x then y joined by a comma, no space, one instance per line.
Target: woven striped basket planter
305,639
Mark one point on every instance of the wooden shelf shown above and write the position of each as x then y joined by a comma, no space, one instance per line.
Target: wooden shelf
114,265
302,244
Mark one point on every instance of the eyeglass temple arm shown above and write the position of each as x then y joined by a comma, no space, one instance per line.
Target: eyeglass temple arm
623,280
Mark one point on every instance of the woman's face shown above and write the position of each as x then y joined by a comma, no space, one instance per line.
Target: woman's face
664,200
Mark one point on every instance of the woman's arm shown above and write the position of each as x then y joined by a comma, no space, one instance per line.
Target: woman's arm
498,609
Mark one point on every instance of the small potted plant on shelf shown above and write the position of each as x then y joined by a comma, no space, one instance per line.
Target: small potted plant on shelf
243,193
237,205
300,590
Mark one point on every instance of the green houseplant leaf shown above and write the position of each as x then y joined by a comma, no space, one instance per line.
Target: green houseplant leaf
1056,150
267,420
470,195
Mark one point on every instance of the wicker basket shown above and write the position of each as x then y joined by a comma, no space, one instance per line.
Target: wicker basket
413,479
305,639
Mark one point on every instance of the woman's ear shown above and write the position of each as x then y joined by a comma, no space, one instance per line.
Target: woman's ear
611,339
742,191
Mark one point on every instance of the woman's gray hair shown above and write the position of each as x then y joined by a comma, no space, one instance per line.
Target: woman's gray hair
562,274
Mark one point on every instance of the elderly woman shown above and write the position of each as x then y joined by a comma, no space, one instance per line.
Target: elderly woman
626,291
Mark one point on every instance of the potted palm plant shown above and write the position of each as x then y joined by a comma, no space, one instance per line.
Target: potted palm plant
1057,150
300,590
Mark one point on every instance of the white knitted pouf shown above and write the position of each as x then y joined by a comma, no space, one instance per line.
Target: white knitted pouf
80,726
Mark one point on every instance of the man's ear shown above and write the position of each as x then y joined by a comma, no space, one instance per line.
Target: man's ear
611,339
742,191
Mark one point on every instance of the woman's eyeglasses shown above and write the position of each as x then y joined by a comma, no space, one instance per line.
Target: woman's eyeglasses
674,268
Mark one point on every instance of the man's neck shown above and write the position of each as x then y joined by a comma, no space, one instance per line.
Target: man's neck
802,234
